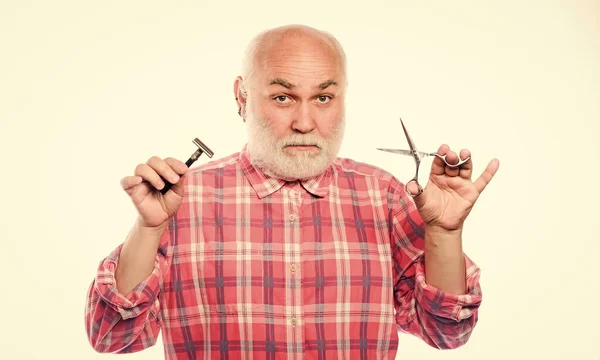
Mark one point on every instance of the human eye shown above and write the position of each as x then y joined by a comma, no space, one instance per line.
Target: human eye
324,99
281,99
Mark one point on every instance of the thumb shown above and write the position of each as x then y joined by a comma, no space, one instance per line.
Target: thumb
412,189
177,190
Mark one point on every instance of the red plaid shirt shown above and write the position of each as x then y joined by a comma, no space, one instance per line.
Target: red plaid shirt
256,268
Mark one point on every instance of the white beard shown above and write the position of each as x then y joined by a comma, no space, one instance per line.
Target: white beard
267,151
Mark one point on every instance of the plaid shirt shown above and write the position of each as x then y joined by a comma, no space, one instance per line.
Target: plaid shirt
251,267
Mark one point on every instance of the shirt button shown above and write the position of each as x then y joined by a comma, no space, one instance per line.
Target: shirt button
293,321
292,218
293,268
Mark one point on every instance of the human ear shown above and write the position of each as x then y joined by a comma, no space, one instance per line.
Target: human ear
241,95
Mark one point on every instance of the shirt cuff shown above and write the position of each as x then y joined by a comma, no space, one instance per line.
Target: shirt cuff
138,300
448,305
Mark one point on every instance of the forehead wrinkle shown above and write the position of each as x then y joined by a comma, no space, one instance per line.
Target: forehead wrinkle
292,77
288,41
286,84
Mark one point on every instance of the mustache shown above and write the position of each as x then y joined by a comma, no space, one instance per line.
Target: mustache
302,140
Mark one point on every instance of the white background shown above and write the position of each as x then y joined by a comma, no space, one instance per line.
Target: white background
90,89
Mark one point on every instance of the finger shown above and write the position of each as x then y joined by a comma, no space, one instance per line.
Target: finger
412,187
438,167
177,165
129,182
452,158
466,169
487,175
131,185
415,190
150,175
181,168
163,169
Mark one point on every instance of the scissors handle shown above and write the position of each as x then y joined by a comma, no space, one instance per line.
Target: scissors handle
443,157
419,187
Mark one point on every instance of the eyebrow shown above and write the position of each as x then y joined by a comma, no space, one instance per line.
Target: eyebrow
281,82
326,84
286,84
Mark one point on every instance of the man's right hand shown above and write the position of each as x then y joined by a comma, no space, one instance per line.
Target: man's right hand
154,208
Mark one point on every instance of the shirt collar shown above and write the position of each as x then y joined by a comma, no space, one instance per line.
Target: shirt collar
265,185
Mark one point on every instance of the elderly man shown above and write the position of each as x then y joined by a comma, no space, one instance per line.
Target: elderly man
284,250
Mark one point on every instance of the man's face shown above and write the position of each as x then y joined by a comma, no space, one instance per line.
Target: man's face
295,109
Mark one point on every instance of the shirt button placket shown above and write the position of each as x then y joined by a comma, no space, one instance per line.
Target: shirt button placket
293,222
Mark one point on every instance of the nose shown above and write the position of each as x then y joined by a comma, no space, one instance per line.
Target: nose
304,121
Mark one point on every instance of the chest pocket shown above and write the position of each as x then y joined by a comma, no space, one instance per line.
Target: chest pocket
230,276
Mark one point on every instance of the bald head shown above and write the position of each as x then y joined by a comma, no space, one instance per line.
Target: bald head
284,42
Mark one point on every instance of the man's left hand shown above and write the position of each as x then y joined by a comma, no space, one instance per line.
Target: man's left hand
450,194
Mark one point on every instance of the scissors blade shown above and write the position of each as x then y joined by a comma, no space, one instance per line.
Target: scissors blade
411,143
397,151
404,152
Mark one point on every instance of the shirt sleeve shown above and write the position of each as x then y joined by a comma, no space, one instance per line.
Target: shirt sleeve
116,323
443,320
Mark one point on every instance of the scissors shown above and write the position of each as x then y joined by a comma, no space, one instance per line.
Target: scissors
418,156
